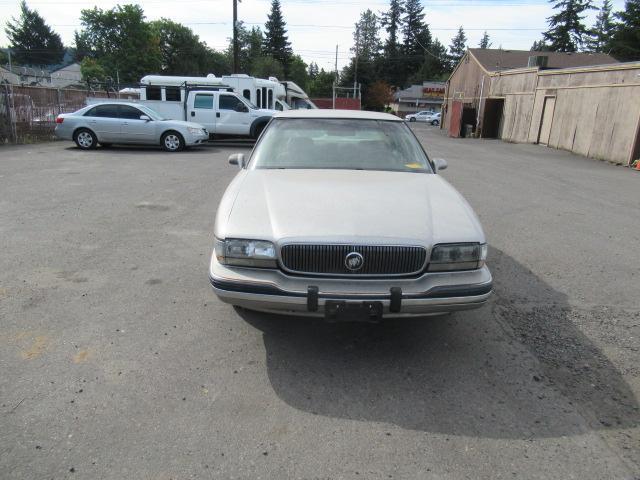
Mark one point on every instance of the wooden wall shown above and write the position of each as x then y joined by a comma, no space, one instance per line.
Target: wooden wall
465,85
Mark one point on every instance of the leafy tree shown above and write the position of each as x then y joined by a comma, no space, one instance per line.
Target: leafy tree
378,95
417,38
32,41
182,51
458,47
249,48
599,37
276,43
392,22
298,71
626,39
266,66
91,70
566,28
322,85
485,41
121,41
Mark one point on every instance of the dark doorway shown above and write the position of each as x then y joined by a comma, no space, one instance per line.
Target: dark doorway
469,118
492,119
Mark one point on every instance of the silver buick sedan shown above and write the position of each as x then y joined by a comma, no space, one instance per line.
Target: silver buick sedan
341,214
127,123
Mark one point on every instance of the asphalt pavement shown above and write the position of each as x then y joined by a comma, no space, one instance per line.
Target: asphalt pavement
118,362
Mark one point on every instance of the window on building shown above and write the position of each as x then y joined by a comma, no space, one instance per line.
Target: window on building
203,101
172,94
154,93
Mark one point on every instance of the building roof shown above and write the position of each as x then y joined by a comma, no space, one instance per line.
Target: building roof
326,113
496,59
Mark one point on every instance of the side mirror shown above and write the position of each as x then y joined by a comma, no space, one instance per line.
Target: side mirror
146,118
237,159
441,164
241,108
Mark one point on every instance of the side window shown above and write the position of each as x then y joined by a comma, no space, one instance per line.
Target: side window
279,106
270,98
229,102
130,113
172,94
259,97
153,93
246,94
203,101
103,111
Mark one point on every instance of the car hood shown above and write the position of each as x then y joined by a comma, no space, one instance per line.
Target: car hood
346,206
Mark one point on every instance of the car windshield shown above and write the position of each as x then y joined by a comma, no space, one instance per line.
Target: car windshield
350,144
152,113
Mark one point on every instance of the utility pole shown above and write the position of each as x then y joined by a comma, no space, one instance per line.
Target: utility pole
9,53
335,82
235,37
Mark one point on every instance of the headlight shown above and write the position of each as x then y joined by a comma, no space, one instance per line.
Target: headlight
246,253
457,256
194,131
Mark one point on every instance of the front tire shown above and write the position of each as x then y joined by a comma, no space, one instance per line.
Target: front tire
172,141
85,139
412,119
435,123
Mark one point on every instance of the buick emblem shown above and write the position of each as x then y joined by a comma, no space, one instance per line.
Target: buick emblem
353,261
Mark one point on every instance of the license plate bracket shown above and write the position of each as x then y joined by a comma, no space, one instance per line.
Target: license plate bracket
343,311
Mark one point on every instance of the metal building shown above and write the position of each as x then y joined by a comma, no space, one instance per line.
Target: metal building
585,103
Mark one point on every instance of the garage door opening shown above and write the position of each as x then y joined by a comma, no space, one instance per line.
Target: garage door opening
469,117
492,118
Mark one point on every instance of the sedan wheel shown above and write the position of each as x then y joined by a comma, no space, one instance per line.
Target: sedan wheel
172,142
85,139
435,122
412,119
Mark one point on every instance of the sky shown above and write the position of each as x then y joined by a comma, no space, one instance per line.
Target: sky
315,27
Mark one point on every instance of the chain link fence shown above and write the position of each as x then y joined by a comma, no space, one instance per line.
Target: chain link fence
28,114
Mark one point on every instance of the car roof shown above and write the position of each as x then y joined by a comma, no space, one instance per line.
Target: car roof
341,114
113,102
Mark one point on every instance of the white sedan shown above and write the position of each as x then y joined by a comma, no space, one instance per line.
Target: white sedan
131,123
427,116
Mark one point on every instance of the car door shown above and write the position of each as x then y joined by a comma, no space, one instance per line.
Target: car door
202,111
133,129
233,116
104,121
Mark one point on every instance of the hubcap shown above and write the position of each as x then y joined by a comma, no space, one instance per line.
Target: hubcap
85,139
172,142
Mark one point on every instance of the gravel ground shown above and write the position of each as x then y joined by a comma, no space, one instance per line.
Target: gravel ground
118,361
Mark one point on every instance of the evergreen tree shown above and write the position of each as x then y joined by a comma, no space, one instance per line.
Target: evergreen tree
32,41
485,42
435,66
625,44
600,35
417,38
458,47
566,30
367,41
392,59
539,46
276,43
314,71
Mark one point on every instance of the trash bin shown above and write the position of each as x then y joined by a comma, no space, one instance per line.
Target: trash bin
468,130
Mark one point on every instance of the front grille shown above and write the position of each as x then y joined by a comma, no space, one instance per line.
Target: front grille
330,259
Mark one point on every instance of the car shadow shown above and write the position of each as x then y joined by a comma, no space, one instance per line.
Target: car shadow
145,149
516,368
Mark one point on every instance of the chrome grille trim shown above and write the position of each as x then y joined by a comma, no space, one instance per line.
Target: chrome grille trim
328,259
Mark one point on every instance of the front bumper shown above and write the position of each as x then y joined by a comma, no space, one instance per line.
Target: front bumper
196,139
273,291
